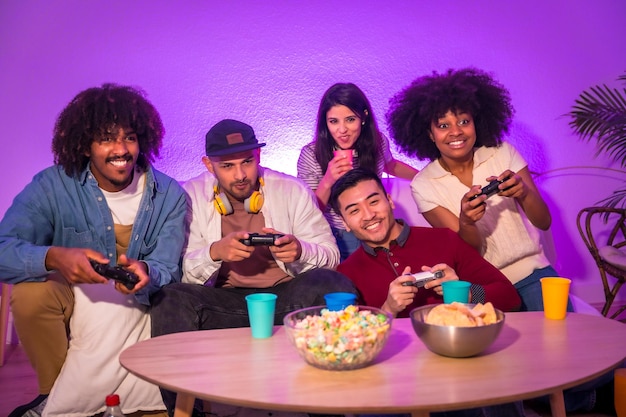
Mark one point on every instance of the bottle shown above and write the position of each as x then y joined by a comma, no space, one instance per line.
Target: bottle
113,406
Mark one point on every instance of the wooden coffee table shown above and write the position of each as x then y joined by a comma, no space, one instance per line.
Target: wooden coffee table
533,356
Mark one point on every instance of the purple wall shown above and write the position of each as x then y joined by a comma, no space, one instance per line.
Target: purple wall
201,61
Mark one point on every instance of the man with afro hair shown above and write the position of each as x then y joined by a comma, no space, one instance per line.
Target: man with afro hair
100,202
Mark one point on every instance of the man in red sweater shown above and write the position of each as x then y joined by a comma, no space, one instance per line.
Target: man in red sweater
391,250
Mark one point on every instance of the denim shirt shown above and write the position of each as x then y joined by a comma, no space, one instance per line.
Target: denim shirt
58,210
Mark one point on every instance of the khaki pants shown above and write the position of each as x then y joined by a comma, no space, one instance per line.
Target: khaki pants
41,315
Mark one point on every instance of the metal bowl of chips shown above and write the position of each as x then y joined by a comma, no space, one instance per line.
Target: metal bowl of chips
456,341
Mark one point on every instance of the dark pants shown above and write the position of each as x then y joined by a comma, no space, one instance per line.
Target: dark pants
183,307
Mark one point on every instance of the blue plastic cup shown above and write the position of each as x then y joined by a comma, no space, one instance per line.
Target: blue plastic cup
455,291
339,300
261,307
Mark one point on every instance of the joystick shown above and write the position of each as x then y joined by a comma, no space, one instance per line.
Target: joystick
489,189
117,273
421,278
255,239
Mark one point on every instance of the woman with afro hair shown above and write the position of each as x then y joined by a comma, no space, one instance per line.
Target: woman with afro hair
457,121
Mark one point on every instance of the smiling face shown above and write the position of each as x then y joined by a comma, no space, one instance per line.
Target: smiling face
112,158
368,213
454,135
344,126
237,173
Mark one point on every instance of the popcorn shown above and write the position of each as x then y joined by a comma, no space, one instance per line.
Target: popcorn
341,339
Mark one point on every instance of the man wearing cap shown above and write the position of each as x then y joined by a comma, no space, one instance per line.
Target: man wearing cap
235,198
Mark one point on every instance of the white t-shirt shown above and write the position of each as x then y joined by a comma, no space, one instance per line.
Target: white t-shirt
124,204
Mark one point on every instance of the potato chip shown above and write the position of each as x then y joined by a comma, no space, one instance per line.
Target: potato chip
458,314
490,314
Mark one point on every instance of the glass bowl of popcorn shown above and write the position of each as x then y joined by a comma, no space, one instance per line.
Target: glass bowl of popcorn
340,340
457,330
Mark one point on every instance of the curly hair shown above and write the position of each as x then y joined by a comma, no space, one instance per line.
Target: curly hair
351,96
430,97
93,113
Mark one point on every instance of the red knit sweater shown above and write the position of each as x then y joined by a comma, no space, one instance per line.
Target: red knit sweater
426,246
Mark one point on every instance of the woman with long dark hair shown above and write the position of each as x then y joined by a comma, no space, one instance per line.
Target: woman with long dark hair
345,121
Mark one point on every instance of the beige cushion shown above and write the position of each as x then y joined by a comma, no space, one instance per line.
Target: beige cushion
614,256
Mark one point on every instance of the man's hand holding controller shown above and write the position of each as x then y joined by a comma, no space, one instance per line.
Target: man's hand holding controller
421,278
286,247
125,277
237,246
401,296
256,239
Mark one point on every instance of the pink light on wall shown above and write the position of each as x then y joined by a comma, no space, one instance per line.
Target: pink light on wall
268,64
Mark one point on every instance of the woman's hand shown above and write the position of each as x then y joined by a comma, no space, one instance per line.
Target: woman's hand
472,207
512,185
337,167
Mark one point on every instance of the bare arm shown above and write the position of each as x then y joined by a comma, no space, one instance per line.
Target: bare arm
400,169
337,166
466,228
522,187
322,193
519,186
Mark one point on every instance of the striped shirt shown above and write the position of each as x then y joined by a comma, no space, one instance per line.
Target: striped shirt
311,173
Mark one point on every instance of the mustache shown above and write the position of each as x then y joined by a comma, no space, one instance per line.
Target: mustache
369,222
127,157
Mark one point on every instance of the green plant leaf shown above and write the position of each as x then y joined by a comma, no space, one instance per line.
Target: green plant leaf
615,200
599,114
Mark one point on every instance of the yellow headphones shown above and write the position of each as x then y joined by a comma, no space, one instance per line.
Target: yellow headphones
252,204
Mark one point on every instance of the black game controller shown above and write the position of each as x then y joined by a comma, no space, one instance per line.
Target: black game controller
421,278
489,189
255,239
117,273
